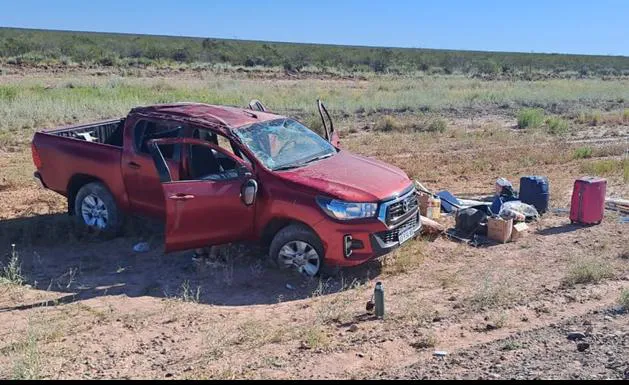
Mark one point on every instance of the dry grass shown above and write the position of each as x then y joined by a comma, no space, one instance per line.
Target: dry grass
493,293
427,341
11,274
315,337
587,270
27,366
623,300
404,259
608,167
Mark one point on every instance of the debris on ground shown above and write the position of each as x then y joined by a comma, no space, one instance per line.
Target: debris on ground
141,247
620,205
574,336
430,226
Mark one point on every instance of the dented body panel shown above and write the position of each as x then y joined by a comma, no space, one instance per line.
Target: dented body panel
205,212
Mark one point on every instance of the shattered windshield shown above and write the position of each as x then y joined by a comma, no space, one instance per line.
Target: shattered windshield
284,143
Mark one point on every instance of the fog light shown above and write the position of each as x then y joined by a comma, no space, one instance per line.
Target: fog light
347,245
350,244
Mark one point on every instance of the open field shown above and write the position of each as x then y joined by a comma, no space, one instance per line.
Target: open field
68,48
89,309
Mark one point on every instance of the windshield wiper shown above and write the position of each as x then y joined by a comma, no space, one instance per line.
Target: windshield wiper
319,157
289,166
301,164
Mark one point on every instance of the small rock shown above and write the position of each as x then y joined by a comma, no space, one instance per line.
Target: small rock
437,319
583,346
491,326
353,328
452,298
524,319
440,353
168,375
609,353
608,318
587,322
361,355
576,336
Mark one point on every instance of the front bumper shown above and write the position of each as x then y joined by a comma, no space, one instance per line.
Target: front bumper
377,240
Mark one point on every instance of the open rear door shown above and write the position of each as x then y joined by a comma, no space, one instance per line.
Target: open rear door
328,125
209,204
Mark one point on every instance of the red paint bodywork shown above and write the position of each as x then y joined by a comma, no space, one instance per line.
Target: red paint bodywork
215,214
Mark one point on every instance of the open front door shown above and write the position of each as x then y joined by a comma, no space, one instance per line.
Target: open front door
257,105
328,126
212,201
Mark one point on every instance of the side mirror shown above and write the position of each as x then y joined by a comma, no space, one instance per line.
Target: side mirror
243,170
248,192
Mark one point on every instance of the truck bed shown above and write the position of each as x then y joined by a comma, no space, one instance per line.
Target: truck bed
91,150
103,132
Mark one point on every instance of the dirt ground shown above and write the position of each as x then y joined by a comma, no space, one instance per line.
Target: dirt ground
97,309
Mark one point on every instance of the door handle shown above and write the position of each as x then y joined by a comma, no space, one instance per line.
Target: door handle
133,165
181,197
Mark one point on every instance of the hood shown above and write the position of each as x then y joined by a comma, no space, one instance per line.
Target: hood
350,177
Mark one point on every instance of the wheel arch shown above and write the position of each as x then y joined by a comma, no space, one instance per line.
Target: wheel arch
276,224
74,185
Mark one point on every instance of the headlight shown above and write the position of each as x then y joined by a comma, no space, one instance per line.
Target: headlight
347,210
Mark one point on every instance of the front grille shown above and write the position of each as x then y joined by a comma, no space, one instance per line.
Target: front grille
390,236
399,211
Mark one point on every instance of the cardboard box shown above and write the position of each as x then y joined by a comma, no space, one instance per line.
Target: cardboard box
499,229
518,231
429,206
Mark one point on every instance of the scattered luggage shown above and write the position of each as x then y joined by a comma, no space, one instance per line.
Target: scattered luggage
429,206
499,229
534,190
504,193
513,208
449,203
588,200
519,229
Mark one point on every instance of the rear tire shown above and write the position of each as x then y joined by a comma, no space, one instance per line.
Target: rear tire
298,248
96,211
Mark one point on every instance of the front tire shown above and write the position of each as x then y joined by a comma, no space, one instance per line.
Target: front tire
298,248
96,210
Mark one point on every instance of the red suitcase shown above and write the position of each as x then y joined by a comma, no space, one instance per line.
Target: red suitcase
588,200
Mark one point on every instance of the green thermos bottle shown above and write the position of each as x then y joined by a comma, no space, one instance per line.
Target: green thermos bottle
378,294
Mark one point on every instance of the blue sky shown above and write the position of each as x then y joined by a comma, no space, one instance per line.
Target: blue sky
590,27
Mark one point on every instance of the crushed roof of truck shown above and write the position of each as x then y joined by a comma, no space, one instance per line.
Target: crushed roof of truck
226,116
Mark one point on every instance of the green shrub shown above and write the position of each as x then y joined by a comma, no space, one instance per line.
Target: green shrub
592,118
588,270
388,123
556,125
582,153
624,299
608,167
530,117
8,93
437,125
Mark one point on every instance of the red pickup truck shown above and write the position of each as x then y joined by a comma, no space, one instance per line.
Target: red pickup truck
219,174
